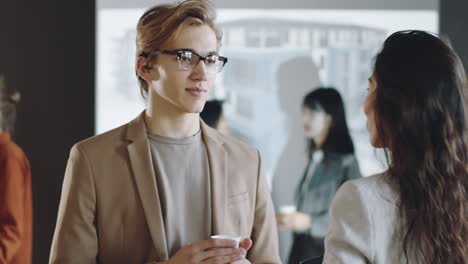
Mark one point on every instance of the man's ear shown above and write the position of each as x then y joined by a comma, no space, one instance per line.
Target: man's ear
148,74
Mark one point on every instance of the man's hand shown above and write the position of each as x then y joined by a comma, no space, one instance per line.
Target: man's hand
295,221
219,251
246,243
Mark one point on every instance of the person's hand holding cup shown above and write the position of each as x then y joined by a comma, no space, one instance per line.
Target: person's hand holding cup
284,216
287,209
245,243
236,239
290,219
214,250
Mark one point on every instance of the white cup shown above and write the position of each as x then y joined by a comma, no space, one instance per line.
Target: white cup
233,238
287,209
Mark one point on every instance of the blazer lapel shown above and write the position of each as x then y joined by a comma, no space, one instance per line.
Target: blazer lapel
217,159
143,171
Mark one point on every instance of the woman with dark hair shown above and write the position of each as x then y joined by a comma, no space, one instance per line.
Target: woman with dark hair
15,188
331,163
416,211
213,116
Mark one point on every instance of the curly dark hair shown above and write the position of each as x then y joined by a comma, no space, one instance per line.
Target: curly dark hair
421,117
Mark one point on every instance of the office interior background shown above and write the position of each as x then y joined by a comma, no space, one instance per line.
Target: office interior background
53,52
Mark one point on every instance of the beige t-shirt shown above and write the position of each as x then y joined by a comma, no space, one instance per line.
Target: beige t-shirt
183,181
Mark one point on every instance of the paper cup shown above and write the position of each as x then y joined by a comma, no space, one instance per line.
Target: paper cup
233,238
287,209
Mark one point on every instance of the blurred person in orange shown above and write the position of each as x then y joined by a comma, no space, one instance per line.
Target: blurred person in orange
15,188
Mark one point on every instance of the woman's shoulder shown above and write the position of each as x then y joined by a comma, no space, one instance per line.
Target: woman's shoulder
364,218
375,180
374,188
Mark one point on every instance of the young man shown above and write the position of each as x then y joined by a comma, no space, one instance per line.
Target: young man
156,189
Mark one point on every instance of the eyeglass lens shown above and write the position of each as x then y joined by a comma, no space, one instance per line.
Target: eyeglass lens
189,60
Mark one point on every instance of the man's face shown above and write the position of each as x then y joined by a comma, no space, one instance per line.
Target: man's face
185,90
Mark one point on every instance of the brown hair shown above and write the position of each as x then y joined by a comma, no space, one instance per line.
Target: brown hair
8,101
421,116
159,23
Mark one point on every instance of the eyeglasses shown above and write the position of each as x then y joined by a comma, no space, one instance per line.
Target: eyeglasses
189,59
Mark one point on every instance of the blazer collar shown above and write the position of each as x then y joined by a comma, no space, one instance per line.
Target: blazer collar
210,134
136,129
218,161
143,171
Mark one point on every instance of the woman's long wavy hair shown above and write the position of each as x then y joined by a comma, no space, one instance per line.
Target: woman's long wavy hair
421,116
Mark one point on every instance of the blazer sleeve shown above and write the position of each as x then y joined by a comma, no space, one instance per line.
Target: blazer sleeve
75,237
264,248
11,207
350,234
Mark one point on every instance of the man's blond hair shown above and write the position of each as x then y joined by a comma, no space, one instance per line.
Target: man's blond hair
162,22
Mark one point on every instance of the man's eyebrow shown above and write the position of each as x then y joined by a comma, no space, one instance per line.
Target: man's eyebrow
191,50
184,49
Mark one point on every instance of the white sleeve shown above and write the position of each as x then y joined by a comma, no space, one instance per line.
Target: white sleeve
350,235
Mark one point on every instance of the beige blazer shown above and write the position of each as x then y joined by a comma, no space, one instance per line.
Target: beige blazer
364,224
110,208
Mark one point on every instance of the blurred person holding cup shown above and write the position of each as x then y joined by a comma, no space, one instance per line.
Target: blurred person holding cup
331,162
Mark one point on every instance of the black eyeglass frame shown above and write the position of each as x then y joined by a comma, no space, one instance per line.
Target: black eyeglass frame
179,52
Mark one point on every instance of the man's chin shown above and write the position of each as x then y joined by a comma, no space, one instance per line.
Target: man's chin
194,110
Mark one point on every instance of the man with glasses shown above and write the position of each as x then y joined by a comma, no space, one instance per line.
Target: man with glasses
156,189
